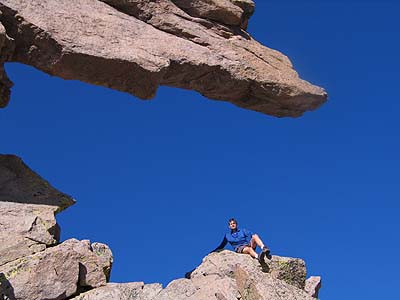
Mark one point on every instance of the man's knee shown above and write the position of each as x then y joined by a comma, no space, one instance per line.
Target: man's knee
255,236
246,250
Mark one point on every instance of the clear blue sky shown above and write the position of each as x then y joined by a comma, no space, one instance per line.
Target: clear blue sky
157,180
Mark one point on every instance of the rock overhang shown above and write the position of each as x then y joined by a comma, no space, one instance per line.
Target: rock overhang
135,46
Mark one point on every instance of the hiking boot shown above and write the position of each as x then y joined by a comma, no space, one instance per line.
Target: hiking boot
266,252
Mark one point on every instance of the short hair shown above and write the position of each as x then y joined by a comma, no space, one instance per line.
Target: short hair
232,220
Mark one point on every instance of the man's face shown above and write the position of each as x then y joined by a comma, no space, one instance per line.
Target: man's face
232,225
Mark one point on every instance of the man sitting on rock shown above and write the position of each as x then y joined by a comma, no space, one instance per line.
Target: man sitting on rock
244,241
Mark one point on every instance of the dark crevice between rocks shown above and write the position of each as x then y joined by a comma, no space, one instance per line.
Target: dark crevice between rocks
81,285
55,231
38,242
141,12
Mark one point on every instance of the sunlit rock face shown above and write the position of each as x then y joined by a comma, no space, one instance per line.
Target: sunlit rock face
221,276
58,272
34,264
137,45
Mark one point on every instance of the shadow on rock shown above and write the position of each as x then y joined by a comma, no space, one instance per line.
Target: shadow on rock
6,289
264,266
188,274
18,183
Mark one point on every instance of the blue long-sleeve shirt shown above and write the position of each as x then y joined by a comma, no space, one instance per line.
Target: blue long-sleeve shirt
236,239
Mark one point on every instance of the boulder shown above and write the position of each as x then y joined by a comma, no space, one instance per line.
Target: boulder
105,256
290,270
56,273
135,46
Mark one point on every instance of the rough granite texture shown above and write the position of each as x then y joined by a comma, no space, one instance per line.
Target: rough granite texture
136,45
221,276
28,205
34,266
57,272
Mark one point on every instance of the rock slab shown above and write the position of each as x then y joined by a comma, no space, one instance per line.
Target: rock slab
135,46
56,273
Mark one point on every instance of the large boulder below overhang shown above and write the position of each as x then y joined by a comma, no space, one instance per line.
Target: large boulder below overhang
58,272
135,46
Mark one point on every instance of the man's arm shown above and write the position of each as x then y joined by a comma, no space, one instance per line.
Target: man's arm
222,245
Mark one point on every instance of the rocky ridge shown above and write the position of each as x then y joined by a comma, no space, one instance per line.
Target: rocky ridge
135,46
36,266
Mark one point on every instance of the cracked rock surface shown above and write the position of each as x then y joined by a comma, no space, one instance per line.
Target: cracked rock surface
135,46
33,265
58,272
221,276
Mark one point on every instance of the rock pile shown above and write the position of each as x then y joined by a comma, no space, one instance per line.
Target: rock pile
135,46
222,276
34,264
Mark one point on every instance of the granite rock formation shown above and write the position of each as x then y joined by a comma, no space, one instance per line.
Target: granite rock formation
33,264
28,205
58,272
221,276
36,266
135,46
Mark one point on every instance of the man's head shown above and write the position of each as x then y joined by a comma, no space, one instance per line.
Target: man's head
232,224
